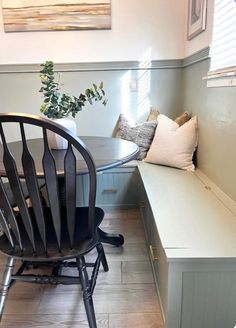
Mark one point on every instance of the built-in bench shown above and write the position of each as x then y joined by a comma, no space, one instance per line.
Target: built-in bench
191,235
191,232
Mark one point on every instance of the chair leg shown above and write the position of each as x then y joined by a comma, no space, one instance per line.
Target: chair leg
87,295
5,286
100,249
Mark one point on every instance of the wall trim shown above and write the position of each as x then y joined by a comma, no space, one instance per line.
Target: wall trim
110,66
197,57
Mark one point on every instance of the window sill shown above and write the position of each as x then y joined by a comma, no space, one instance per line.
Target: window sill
221,78
227,81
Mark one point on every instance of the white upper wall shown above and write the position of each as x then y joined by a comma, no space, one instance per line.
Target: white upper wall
137,27
203,39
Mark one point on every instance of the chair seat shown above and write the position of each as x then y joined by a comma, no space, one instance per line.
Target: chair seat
82,242
11,198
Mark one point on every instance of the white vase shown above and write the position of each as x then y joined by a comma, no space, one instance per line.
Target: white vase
54,140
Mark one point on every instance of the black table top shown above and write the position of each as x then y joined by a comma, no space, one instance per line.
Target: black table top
107,153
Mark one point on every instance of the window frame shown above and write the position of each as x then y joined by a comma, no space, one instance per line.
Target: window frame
223,76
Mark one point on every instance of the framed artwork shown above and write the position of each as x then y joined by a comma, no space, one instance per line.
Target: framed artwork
196,17
55,15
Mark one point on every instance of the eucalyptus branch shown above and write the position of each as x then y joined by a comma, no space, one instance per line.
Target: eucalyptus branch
57,104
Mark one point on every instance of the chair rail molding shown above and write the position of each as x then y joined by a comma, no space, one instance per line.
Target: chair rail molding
109,65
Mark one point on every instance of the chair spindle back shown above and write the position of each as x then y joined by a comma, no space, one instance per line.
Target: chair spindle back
33,215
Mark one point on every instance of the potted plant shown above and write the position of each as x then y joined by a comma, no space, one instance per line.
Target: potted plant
60,106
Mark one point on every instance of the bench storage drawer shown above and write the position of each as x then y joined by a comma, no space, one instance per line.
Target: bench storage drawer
116,188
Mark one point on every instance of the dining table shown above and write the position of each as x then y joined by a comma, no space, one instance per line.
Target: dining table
107,153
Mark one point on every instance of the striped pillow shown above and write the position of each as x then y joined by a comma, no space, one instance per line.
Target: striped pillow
142,134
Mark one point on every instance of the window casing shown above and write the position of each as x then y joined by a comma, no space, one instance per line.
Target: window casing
223,48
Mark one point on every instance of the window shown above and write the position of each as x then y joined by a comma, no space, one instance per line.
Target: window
223,47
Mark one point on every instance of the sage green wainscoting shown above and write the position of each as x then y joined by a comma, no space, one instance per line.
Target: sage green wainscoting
216,111
158,84
170,85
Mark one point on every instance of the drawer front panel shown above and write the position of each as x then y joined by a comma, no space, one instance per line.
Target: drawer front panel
115,188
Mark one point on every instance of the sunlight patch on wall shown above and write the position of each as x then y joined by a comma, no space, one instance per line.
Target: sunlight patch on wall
144,84
125,94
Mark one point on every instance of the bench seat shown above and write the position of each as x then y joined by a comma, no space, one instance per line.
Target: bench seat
188,214
191,234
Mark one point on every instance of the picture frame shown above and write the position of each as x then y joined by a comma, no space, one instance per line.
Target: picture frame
197,13
55,15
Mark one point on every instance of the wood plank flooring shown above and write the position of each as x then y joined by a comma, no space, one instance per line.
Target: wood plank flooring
124,297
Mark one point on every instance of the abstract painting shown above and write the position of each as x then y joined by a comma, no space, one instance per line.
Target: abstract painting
56,15
196,17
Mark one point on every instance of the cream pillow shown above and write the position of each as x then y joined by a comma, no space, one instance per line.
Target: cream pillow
173,145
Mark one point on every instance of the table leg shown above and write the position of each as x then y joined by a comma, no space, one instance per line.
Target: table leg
110,238
105,237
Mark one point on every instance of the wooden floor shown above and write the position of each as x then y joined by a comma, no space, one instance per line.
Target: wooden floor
124,297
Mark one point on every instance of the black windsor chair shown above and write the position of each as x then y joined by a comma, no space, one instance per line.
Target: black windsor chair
10,195
49,235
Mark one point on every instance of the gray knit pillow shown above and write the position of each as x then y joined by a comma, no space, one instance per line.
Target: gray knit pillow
142,134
